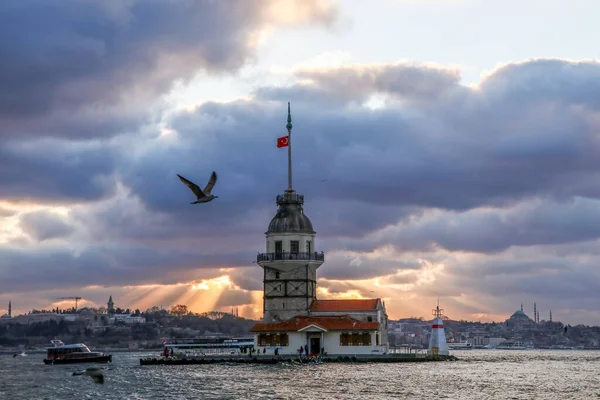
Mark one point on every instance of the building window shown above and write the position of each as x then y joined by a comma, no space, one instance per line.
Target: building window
355,339
366,339
344,339
370,319
273,339
294,246
278,246
308,246
377,339
276,275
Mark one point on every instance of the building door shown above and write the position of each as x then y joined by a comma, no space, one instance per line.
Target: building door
315,345
278,249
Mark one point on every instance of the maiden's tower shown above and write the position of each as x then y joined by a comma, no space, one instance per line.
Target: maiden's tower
294,321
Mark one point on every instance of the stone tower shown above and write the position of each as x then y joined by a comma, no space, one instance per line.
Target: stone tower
110,309
290,262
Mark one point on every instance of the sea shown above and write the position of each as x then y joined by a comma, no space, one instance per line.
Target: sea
479,374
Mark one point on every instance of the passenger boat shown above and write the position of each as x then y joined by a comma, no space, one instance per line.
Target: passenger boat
510,345
61,353
210,346
460,346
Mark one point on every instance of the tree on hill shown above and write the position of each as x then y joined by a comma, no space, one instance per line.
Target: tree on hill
179,310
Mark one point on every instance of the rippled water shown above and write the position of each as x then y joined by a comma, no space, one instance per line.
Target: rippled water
480,374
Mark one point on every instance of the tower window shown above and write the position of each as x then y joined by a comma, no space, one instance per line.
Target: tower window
278,246
308,246
294,246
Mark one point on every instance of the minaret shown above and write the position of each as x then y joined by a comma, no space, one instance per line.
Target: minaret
437,340
111,306
290,262
9,309
550,315
521,307
534,312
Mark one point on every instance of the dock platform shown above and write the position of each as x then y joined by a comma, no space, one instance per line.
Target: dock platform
392,358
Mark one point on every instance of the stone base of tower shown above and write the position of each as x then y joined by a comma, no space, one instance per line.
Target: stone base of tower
288,294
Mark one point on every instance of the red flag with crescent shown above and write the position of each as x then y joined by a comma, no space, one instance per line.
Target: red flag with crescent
283,141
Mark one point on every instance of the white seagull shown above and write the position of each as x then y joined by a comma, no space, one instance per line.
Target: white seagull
95,372
202,196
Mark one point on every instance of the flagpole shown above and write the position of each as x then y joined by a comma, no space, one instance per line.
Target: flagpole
289,129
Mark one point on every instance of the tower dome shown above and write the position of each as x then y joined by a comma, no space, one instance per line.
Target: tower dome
290,217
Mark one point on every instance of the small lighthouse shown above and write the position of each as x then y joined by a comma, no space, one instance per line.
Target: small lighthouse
437,341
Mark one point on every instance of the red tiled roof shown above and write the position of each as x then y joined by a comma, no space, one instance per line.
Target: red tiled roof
344,305
341,323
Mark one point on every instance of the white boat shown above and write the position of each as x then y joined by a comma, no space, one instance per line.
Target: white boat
460,346
510,345
210,346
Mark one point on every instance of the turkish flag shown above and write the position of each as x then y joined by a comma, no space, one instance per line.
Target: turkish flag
283,141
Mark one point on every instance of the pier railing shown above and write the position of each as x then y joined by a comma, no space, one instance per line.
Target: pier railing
284,256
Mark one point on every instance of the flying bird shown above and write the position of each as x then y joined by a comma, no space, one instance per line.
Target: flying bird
202,196
95,372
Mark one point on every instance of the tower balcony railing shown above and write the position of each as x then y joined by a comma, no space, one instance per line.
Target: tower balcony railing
290,198
287,256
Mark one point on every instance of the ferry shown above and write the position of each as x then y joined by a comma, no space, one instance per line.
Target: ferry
460,346
510,345
209,346
61,353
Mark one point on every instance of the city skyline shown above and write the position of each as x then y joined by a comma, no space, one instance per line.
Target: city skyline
444,148
235,310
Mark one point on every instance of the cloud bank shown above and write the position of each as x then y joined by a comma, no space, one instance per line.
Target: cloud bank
485,196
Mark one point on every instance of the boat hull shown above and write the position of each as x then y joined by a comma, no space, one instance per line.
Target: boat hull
98,359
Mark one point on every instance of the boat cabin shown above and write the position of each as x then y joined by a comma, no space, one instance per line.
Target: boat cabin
78,349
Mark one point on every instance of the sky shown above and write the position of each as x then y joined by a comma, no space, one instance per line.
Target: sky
446,149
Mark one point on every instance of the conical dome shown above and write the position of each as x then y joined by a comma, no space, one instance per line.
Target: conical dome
290,216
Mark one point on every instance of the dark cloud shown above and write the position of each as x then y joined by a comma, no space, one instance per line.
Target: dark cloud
492,230
93,58
416,83
104,264
362,266
58,171
442,168
42,225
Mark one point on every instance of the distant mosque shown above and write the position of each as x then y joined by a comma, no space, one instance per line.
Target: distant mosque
9,315
295,321
520,320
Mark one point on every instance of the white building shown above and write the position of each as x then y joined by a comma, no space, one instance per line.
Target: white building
293,317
